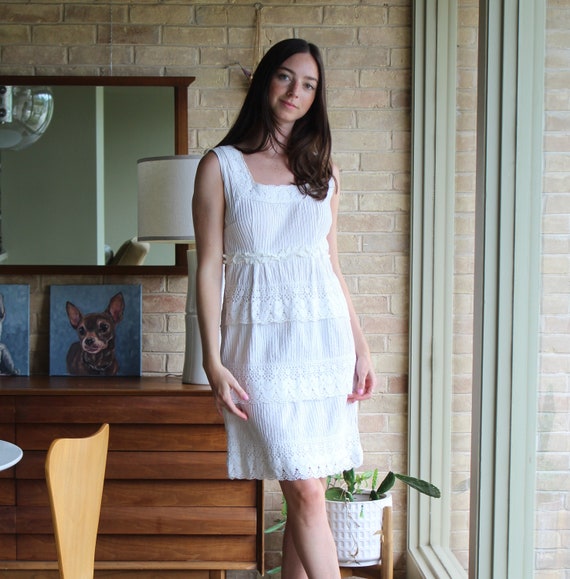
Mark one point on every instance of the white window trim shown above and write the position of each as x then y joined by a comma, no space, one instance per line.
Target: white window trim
509,169
431,285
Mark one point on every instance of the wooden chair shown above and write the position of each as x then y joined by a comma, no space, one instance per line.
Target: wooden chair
75,472
386,568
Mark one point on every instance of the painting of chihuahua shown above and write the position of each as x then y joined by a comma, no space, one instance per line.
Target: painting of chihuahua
94,353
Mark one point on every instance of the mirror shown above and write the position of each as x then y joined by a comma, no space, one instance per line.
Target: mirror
104,124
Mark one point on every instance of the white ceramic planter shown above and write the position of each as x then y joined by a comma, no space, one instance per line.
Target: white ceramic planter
357,529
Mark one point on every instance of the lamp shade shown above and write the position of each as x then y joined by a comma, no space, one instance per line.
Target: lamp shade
165,189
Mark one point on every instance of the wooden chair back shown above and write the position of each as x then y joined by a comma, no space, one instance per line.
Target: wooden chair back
75,472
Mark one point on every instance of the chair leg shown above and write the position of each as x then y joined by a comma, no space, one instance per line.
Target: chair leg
387,570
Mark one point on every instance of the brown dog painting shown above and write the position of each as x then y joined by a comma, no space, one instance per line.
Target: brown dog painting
94,352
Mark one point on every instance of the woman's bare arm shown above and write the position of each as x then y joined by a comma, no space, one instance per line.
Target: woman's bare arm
365,378
208,207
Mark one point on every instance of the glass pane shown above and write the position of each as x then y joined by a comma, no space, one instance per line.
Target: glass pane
464,248
552,551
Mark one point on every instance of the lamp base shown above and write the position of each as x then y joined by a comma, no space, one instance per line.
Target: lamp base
193,372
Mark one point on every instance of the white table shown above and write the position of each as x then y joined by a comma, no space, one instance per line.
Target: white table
10,454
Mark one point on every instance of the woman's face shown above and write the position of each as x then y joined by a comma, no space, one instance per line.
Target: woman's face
293,88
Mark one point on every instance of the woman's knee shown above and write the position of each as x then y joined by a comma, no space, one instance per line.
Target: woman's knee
304,495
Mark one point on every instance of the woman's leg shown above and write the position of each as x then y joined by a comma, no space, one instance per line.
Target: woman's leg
291,566
308,540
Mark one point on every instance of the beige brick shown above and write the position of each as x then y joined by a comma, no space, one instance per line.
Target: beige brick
208,118
294,15
163,13
325,37
163,342
162,55
90,12
176,323
355,16
155,323
24,13
385,243
129,34
385,202
188,36
174,363
388,36
357,57
342,119
358,99
15,34
386,161
153,363
95,55
400,58
362,140
63,35
226,56
33,55
390,79
368,182
384,120
164,303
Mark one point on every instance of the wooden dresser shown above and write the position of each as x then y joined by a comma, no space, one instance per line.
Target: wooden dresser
168,510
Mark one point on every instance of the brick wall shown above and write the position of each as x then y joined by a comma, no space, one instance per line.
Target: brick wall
463,280
367,52
552,553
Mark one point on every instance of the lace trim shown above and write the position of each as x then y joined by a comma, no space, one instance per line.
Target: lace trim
286,465
275,303
311,444
278,383
247,257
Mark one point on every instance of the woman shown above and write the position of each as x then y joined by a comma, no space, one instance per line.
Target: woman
293,358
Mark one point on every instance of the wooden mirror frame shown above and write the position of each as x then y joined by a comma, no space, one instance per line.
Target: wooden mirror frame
180,85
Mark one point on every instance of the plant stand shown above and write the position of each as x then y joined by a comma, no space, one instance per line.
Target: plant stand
386,568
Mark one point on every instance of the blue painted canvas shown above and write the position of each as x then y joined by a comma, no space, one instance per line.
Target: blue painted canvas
14,330
95,330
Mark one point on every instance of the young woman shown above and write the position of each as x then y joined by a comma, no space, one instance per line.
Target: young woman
293,359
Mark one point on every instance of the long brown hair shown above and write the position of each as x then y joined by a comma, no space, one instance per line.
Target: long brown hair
309,145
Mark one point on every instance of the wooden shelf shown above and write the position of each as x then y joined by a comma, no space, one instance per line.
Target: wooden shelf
167,501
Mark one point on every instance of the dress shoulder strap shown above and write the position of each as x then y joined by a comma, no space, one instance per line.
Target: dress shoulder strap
233,175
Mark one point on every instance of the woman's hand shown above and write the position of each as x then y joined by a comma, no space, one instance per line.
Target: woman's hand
222,383
364,380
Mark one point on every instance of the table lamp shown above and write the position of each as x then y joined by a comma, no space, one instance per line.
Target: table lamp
165,189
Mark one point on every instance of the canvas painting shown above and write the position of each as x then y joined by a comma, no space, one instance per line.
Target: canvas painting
14,330
95,330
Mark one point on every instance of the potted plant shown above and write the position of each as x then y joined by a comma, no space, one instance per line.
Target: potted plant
355,511
355,507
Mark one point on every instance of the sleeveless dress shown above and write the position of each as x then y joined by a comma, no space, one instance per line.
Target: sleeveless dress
285,332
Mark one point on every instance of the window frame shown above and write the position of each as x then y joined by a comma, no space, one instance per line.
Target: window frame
507,273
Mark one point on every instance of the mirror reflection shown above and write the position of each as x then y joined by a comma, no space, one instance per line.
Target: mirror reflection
70,198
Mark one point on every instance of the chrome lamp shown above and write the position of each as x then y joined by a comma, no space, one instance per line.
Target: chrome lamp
25,113
165,189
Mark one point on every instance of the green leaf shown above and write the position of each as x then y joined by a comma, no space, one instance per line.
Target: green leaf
276,527
420,485
387,483
335,494
374,479
349,477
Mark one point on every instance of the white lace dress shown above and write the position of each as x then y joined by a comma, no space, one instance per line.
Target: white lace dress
286,333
